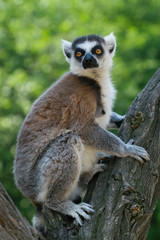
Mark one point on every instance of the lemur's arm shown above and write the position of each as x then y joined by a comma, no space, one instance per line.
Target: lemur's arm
105,141
115,121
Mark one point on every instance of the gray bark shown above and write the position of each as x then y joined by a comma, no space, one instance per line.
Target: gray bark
124,197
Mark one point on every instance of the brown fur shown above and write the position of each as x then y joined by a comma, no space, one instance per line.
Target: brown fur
67,104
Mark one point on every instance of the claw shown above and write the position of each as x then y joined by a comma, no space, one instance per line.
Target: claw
131,141
78,219
103,167
139,159
82,210
147,157
86,207
139,153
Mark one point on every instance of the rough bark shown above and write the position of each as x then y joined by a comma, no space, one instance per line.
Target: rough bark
124,197
12,225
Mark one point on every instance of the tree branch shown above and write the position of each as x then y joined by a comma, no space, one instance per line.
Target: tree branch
12,225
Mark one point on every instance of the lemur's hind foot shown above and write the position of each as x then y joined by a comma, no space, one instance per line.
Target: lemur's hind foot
75,211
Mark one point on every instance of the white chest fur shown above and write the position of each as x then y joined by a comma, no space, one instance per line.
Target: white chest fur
108,95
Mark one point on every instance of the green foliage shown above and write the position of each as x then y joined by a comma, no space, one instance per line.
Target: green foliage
31,59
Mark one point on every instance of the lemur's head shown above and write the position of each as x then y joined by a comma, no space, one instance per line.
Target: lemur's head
90,55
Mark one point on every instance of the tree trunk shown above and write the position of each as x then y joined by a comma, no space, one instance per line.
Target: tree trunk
124,197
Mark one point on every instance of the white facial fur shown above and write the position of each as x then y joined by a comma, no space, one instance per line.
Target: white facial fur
105,62
87,45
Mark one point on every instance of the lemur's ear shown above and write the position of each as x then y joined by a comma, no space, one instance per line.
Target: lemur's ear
110,43
67,49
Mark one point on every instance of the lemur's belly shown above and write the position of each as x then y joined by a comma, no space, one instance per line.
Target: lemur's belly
88,158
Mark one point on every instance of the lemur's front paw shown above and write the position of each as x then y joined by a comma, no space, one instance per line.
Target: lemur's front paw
104,158
139,153
82,210
116,121
120,121
103,167
99,167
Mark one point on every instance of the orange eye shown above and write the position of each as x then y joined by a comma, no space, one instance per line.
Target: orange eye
98,51
78,54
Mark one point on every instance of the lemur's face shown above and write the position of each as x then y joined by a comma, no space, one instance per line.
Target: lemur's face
89,54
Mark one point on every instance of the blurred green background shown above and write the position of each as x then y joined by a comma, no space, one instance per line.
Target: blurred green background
31,59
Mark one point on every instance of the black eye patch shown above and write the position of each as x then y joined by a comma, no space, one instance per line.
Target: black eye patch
97,50
79,53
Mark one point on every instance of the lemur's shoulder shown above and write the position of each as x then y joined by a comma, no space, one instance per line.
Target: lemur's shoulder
71,92
73,83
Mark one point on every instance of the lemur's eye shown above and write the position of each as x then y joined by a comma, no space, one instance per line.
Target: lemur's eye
78,54
98,51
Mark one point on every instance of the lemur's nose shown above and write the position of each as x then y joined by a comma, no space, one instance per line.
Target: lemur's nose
88,58
89,61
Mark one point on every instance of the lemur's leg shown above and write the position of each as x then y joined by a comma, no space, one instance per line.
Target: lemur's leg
115,121
60,170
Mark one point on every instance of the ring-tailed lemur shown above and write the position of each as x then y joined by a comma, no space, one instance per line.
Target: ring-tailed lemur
66,127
